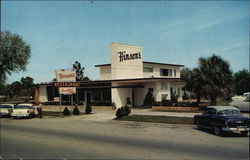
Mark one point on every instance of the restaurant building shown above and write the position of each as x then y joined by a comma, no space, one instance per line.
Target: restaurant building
127,76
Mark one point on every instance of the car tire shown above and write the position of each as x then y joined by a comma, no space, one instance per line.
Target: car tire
244,133
198,125
217,131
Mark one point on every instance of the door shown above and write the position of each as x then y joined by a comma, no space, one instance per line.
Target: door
88,98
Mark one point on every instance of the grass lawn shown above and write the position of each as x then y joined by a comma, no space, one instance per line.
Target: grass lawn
157,119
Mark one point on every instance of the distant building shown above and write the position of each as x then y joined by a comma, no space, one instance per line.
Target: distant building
127,76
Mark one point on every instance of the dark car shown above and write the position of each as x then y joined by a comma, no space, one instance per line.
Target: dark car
222,119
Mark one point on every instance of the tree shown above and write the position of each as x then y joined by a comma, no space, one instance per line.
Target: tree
212,78
80,72
193,81
27,82
16,87
27,86
216,77
14,54
242,81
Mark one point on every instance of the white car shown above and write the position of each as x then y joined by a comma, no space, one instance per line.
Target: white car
23,110
243,105
242,97
6,109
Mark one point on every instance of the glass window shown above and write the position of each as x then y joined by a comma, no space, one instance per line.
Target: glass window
175,72
231,112
210,111
5,106
148,69
166,72
22,107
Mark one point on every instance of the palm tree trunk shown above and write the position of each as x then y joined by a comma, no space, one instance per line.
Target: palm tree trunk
198,99
213,99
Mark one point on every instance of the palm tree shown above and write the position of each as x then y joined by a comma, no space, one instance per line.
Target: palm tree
216,77
193,81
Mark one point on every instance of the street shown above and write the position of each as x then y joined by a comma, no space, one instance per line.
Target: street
87,137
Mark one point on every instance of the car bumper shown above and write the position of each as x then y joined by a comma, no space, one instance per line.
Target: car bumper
4,114
232,129
19,115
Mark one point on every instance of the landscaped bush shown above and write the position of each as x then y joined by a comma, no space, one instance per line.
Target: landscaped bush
119,113
166,103
157,103
76,111
66,111
88,109
124,111
127,110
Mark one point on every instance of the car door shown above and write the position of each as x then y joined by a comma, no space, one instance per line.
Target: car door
210,116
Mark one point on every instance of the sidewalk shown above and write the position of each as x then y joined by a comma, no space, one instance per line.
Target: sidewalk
158,113
177,114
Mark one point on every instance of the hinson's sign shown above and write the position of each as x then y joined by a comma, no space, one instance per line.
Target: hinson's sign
65,75
123,56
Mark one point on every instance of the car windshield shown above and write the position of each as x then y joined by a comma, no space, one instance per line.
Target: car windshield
229,112
5,106
22,107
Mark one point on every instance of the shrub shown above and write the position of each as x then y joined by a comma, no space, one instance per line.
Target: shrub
76,111
88,109
127,109
157,103
166,103
66,111
113,105
119,113
124,111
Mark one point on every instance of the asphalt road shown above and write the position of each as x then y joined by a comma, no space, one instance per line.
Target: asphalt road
84,137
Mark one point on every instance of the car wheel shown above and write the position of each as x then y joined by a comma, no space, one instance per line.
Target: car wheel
198,125
217,131
244,133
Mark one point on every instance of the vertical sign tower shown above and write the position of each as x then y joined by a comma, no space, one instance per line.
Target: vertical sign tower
126,61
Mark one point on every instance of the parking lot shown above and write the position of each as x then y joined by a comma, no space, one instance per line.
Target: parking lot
97,136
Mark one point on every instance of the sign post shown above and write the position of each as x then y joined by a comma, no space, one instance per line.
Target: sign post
63,77
60,103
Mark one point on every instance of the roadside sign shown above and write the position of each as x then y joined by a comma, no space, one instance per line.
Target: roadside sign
66,76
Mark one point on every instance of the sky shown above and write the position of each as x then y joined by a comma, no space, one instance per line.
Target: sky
176,32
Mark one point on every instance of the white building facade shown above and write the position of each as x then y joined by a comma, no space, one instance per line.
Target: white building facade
127,76
133,78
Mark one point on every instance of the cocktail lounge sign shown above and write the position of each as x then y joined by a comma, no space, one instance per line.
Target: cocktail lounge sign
123,56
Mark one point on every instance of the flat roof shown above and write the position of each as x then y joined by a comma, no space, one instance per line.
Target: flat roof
179,65
151,78
112,80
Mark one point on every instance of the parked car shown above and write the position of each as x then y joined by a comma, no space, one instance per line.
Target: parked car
243,105
23,110
241,97
222,119
6,109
